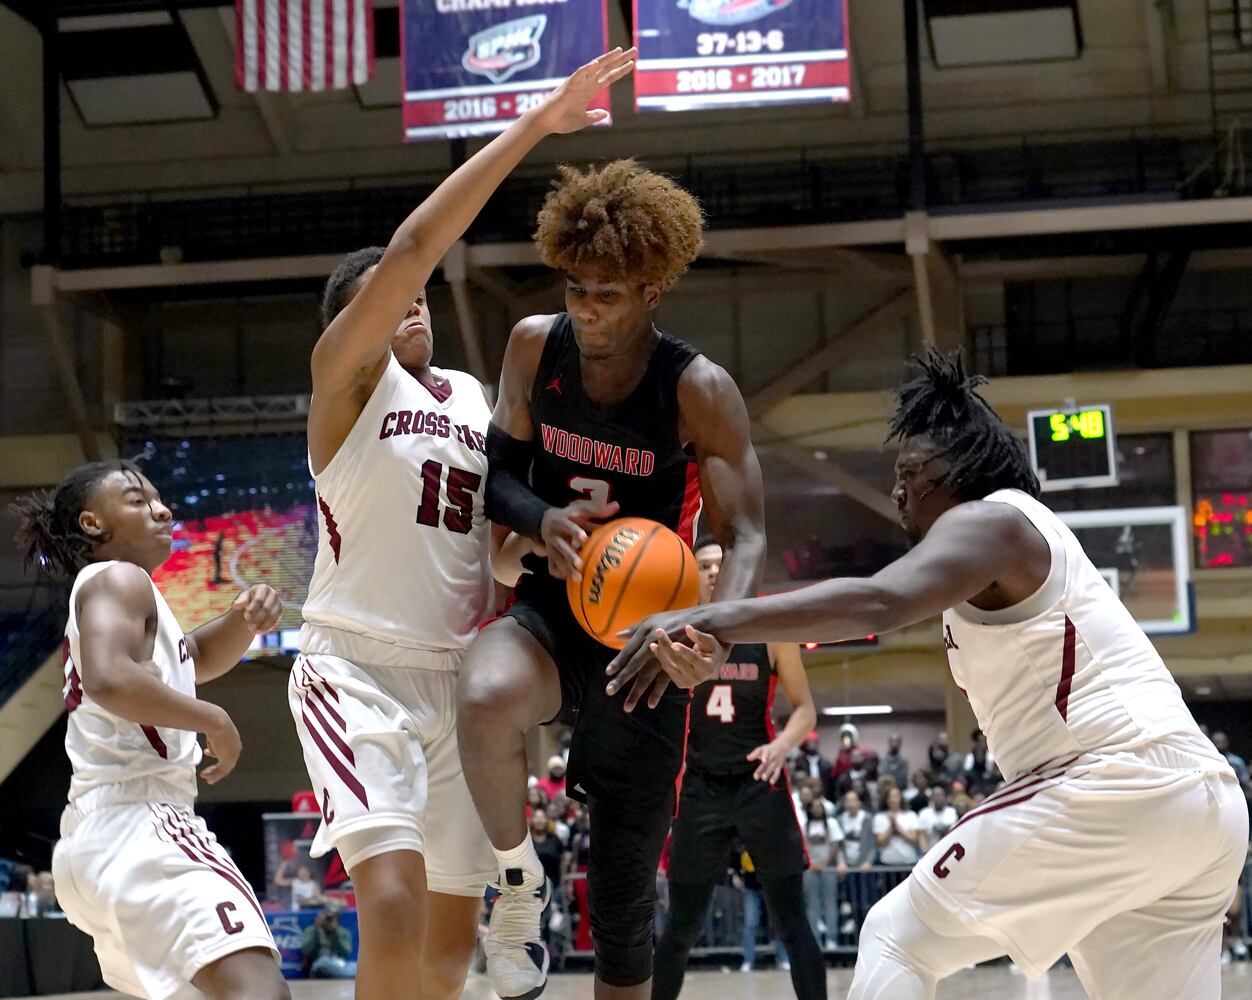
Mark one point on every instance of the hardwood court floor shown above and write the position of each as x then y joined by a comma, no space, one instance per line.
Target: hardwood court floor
996,983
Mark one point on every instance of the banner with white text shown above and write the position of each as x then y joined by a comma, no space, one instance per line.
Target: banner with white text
708,54
473,66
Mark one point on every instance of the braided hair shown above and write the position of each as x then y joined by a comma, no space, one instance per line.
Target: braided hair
48,532
940,402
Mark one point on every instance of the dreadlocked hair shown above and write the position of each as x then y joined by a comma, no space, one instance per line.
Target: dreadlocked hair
48,533
344,278
941,403
621,220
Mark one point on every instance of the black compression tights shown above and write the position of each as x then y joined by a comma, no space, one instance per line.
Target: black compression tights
784,898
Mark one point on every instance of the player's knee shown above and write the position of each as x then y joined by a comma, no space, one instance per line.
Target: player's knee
488,692
391,909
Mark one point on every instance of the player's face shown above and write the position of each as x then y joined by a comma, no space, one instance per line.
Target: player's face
708,564
127,514
917,496
608,317
413,343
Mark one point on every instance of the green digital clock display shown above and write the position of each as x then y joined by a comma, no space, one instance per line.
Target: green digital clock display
1073,447
1086,424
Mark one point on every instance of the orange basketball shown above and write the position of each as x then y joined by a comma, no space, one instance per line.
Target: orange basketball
632,568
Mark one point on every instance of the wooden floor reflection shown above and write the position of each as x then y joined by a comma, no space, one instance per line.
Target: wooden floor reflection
994,983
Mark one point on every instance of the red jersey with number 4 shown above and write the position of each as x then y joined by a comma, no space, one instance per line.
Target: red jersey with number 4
731,715
631,452
402,551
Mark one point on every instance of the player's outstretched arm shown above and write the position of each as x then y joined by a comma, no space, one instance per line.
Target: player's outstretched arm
217,646
348,357
772,756
114,608
967,549
715,420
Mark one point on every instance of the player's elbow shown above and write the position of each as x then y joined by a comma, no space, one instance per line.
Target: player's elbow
871,607
101,684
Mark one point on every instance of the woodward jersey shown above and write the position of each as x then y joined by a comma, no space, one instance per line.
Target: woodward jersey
1068,671
107,750
731,714
630,452
402,551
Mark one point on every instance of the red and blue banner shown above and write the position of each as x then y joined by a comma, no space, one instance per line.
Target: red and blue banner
708,54
471,68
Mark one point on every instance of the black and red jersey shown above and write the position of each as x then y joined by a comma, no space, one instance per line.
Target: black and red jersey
732,714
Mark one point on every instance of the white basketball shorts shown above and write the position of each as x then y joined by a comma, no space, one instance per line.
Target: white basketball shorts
1127,861
380,747
158,894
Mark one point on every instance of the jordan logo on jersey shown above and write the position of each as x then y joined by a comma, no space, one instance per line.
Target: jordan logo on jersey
948,641
554,386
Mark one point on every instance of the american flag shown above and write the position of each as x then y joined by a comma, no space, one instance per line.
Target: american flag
303,44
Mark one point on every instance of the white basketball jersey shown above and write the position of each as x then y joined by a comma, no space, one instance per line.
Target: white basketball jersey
105,749
402,552
1066,671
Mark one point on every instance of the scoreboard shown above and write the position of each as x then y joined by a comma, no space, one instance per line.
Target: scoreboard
1073,448
706,54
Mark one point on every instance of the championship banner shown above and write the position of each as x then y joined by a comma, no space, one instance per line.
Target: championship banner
473,66
703,54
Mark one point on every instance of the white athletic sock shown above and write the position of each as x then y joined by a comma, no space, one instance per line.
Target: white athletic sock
522,856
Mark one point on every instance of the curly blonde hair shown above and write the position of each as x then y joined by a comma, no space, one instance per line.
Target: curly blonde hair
620,219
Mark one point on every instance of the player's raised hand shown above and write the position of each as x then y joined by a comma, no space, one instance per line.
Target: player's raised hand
223,744
261,607
565,109
564,529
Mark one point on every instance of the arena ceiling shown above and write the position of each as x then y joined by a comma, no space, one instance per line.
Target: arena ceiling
1143,70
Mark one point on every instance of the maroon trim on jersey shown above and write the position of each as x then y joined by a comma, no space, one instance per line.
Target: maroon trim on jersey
183,836
309,705
1008,795
332,529
308,669
154,738
330,709
442,392
74,696
691,505
343,770
1067,670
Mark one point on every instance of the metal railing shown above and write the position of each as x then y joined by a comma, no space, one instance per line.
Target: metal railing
773,187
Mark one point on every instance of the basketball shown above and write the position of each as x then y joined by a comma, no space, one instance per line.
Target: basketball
632,568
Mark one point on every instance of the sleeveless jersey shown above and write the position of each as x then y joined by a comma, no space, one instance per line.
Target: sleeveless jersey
732,714
1068,670
105,749
630,452
402,552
